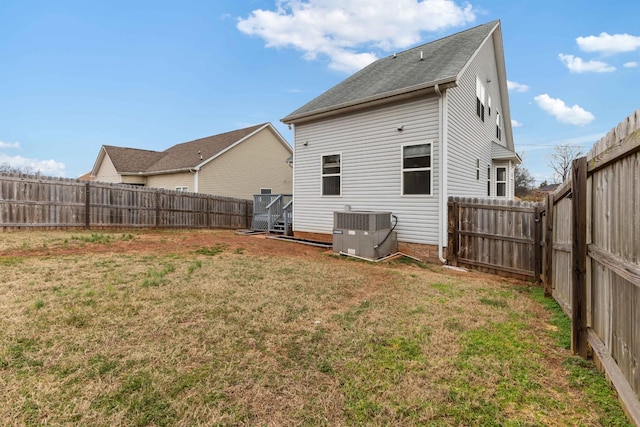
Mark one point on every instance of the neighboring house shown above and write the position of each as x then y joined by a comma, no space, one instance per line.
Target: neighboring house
404,134
238,164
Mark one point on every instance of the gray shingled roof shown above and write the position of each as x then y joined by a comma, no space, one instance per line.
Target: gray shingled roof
179,157
500,152
443,60
131,160
190,154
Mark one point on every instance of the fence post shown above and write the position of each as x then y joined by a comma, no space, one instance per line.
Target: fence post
247,224
537,238
157,208
579,263
454,240
548,268
87,205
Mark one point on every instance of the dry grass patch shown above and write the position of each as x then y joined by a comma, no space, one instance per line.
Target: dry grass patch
222,333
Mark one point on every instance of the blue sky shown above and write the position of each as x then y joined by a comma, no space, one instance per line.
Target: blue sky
75,75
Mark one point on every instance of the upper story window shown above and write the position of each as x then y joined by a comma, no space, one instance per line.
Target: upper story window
488,105
498,127
416,169
480,97
332,175
501,182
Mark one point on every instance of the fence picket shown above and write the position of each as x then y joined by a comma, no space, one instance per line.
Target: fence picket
37,202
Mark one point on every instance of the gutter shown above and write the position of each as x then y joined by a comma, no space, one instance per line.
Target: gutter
372,101
442,163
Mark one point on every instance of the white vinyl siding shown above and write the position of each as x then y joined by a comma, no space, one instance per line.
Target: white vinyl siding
370,146
470,139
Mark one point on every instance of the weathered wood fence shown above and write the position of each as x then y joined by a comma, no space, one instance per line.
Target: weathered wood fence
36,202
592,262
495,236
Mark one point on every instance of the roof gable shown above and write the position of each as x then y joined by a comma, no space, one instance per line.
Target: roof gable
180,157
422,66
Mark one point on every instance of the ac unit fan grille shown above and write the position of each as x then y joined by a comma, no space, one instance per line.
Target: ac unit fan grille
364,221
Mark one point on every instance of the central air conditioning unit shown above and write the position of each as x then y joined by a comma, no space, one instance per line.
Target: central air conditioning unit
364,234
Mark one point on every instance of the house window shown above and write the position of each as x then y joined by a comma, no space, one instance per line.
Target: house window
265,191
331,175
480,94
489,180
416,169
501,182
478,169
182,189
498,127
488,105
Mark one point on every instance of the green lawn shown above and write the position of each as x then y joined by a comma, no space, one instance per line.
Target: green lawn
224,333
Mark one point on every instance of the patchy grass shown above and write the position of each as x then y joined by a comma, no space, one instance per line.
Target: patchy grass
225,336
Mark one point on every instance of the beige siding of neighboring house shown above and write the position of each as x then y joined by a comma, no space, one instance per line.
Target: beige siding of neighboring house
107,172
371,147
172,181
469,138
134,179
255,163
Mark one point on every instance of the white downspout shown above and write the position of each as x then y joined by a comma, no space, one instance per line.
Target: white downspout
196,180
442,163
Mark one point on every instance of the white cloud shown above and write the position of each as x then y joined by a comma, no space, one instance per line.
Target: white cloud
45,167
578,65
9,144
348,32
575,115
630,64
609,44
517,87
515,124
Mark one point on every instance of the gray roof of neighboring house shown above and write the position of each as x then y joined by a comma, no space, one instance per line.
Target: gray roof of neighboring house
192,153
443,60
131,160
179,157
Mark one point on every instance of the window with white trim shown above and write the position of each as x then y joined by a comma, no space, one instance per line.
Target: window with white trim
489,180
332,175
265,191
501,182
498,127
416,169
182,189
480,96
478,169
488,105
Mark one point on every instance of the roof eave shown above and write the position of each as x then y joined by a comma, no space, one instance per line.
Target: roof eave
372,101
162,172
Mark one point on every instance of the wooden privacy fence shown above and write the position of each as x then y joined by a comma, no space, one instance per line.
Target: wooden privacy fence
28,201
496,236
592,262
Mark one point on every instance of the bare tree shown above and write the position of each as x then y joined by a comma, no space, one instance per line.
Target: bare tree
8,169
561,158
523,181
